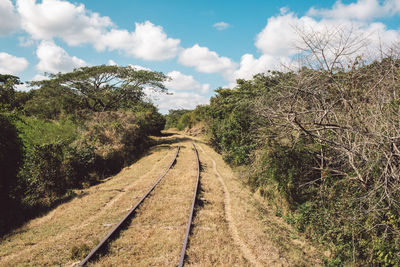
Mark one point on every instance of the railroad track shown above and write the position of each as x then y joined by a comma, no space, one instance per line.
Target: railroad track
123,221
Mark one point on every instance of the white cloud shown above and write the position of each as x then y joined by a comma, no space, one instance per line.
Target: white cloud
148,42
178,100
250,66
284,10
25,41
221,25
206,61
9,18
278,38
10,64
55,59
151,43
39,77
138,67
112,63
57,18
360,10
181,81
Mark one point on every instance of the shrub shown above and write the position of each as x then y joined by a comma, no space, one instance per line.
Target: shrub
43,173
11,157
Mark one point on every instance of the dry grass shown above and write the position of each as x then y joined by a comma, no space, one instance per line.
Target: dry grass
49,240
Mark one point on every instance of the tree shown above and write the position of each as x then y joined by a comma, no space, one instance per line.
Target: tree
103,88
7,92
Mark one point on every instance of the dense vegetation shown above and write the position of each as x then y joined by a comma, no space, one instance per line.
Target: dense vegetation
321,143
68,132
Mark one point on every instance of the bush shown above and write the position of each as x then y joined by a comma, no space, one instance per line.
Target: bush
290,167
43,173
11,157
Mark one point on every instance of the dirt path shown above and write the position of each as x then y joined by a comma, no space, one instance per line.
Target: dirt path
228,227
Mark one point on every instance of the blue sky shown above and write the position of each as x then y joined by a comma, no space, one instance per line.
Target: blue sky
201,45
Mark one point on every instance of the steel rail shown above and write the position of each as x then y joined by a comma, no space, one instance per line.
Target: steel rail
189,223
131,211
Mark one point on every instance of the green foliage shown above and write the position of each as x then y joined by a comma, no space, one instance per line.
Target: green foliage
7,91
103,88
35,131
52,102
232,120
43,174
10,153
11,157
150,119
175,119
291,168
79,252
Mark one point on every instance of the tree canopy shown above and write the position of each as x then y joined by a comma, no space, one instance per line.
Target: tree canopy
102,88
7,92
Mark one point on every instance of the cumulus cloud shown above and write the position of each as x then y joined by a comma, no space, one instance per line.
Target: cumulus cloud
178,100
56,18
250,66
9,18
279,37
112,63
10,64
360,10
180,81
39,77
55,59
138,67
221,25
25,42
148,42
206,61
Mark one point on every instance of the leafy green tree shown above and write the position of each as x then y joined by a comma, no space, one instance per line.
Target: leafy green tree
173,117
104,88
7,91
49,102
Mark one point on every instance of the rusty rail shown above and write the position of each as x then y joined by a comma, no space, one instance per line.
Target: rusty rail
127,216
189,223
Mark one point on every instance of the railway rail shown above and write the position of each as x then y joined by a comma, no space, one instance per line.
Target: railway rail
130,213
189,224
